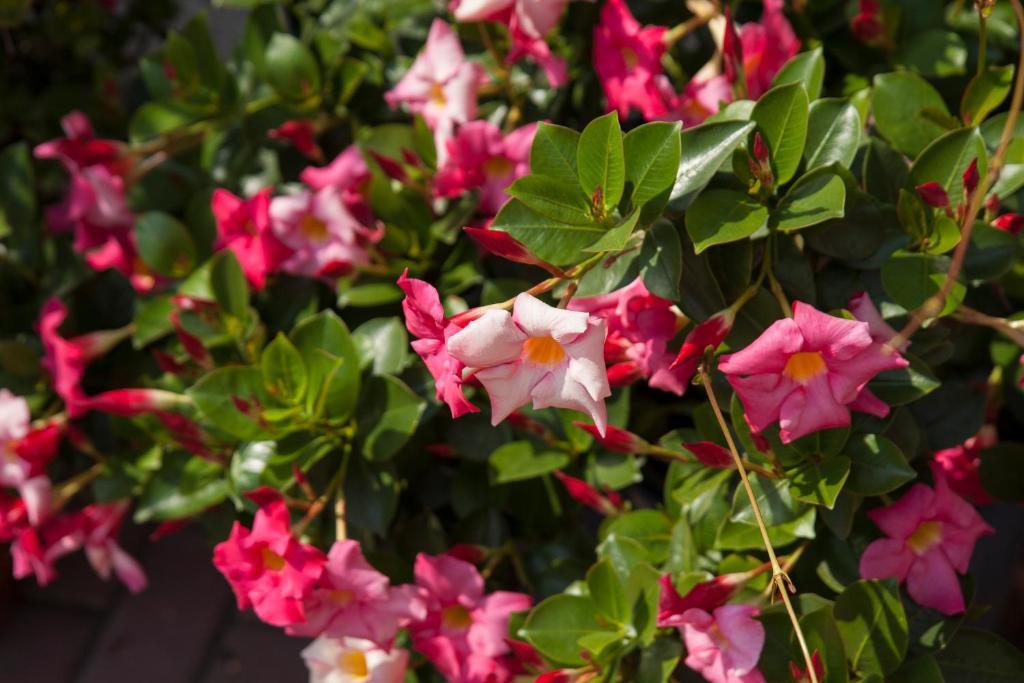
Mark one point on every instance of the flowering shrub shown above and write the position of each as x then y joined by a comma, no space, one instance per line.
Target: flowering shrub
531,339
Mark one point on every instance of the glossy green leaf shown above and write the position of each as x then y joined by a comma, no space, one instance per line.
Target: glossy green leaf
878,465
557,243
284,372
704,149
560,200
371,496
383,345
908,111
822,634
978,656
814,198
617,237
659,660
781,117
553,152
910,279
608,593
819,483
873,626
984,93
332,364
601,160
719,216
945,160
661,260
291,69
805,68
517,460
164,244
556,625
230,288
183,487
219,395
386,416
833,133
934,53
652,160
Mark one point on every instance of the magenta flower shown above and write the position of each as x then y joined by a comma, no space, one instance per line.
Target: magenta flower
550,356
864,309
424,318
931,536
464,632
607,503
627,58
23,468
960,465
701,98
100,526
301,133
354,600
441,84
351,660
725,644
807,372
348,173
267,568
767,45
324,238
708,334
480,158
243,226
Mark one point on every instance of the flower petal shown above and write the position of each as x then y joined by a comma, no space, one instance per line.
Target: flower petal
491,339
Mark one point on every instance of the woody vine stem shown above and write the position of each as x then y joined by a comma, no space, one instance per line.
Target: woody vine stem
780,579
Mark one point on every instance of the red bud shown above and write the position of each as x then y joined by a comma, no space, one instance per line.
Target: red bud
732,50
799,674
1012,223
615,439
507,247
391,167
760,149
710,454
586,494
933,194
301,134
971,178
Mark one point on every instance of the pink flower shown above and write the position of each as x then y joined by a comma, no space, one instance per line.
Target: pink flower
550,356
864,309
441,84
348,173
268,569
608,503
725,644
464,632
301,134
351,660
354,600
960,465
243,226
424,318
640,326
807,372
627,58
867,26
705,596
701,98
480,158
931,536
21,467
767,45
81,148
705,335
325,239
101,524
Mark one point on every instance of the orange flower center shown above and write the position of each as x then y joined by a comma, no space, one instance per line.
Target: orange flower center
543,350
497,167
630,57
341,598
313,228
272,560
353,663
437,94
804,366
924,537
456,616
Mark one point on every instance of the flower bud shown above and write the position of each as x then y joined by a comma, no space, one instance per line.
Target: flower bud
615,439
971,178
933,194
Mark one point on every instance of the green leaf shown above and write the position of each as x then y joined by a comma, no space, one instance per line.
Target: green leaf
773,498
383,343
332,364
878,465
230,288
387,416
601,161
607,592
517,461
873,626
652,529
616,238
807,69
18,199
781,116
557,243
917,670
553,152
822,634
815,197
978,656
652,159
154,118
184,486
704,149
1002,471
371,497
721,215
164,244
560,200
910,279
369,295
284,372
661,260
556,625
248,464
659,660
984,93
819,483
897,387
908,111
934,53
291,69
833,133
215,393
945,160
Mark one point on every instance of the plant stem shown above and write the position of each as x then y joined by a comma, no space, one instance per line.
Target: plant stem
934,305
982,41
970,316
780,579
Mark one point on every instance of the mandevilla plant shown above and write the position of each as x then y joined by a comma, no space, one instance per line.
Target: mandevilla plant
528,340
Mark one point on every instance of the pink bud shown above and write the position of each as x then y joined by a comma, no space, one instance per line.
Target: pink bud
709,333
732,49
992,203
391,167
264,496
1012,223
467,552
710,454
586,494
971,178
615,439
132,402
799,674
301,134
507,247
933,194
760,150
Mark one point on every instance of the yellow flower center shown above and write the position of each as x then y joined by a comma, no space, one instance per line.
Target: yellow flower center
272,560
543,350
341,598
313,228
353,663
630,57
804,366
437,95
456,616
924,537
497,167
